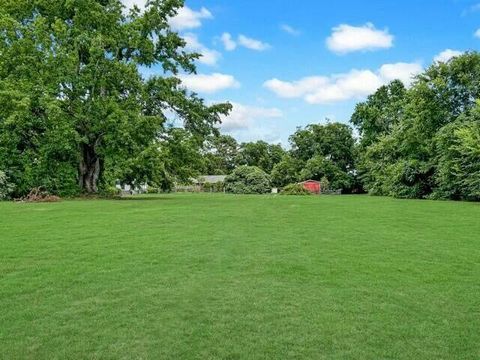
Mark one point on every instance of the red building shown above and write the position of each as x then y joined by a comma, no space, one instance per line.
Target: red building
312,186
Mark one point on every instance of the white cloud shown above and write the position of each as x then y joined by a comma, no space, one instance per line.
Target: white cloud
290,30
346,38
244,116
209,83
252,44
477,34
446,55
228,42
355,84
187,18
209,56
297,88
401,71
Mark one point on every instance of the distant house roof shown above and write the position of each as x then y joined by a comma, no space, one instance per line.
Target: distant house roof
211,179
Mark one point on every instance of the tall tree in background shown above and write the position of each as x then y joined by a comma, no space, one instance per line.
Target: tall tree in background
333,141
260,154
220,153
380,112
325,151
421,155
458,149
75,111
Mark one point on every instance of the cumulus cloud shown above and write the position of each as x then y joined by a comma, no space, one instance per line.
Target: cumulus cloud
290,29
401,71
228,42
252,44
355,84
477,34
296,88
209,83
446,55
209,56
347,38
187,18
243,116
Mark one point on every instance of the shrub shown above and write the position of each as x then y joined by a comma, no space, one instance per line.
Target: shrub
214,187
111,192
153,190
6,187
295,189
248,180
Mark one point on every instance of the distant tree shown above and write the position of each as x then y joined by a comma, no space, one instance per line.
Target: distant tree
6,187
380,112
333,141
248,180
413,159
260,154
286,171
220,153
458,149
320,168
76,113
180,151
325,151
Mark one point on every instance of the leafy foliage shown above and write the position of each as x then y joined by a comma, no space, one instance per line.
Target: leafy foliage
429,147
458,169
295,189
220,153
325,151
76,113
248,180
6,187
214,187
286,171
260,154
319,167
382,110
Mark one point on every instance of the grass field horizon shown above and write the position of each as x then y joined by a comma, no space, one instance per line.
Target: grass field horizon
204,276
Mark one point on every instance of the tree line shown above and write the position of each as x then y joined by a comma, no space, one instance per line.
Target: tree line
78,116
419,142
423,142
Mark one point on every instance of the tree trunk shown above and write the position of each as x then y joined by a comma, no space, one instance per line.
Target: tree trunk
89,169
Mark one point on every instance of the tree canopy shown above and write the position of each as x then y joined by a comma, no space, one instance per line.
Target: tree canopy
430,147
76,112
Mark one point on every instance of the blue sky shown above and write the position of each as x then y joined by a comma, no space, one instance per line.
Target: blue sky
285,64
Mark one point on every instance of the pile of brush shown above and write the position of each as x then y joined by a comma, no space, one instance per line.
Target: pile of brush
39,195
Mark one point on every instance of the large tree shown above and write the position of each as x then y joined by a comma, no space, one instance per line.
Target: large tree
380,112
260,154
333,141
428,150
220,152
75,110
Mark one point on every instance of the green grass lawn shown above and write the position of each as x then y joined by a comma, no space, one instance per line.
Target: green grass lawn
240,277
